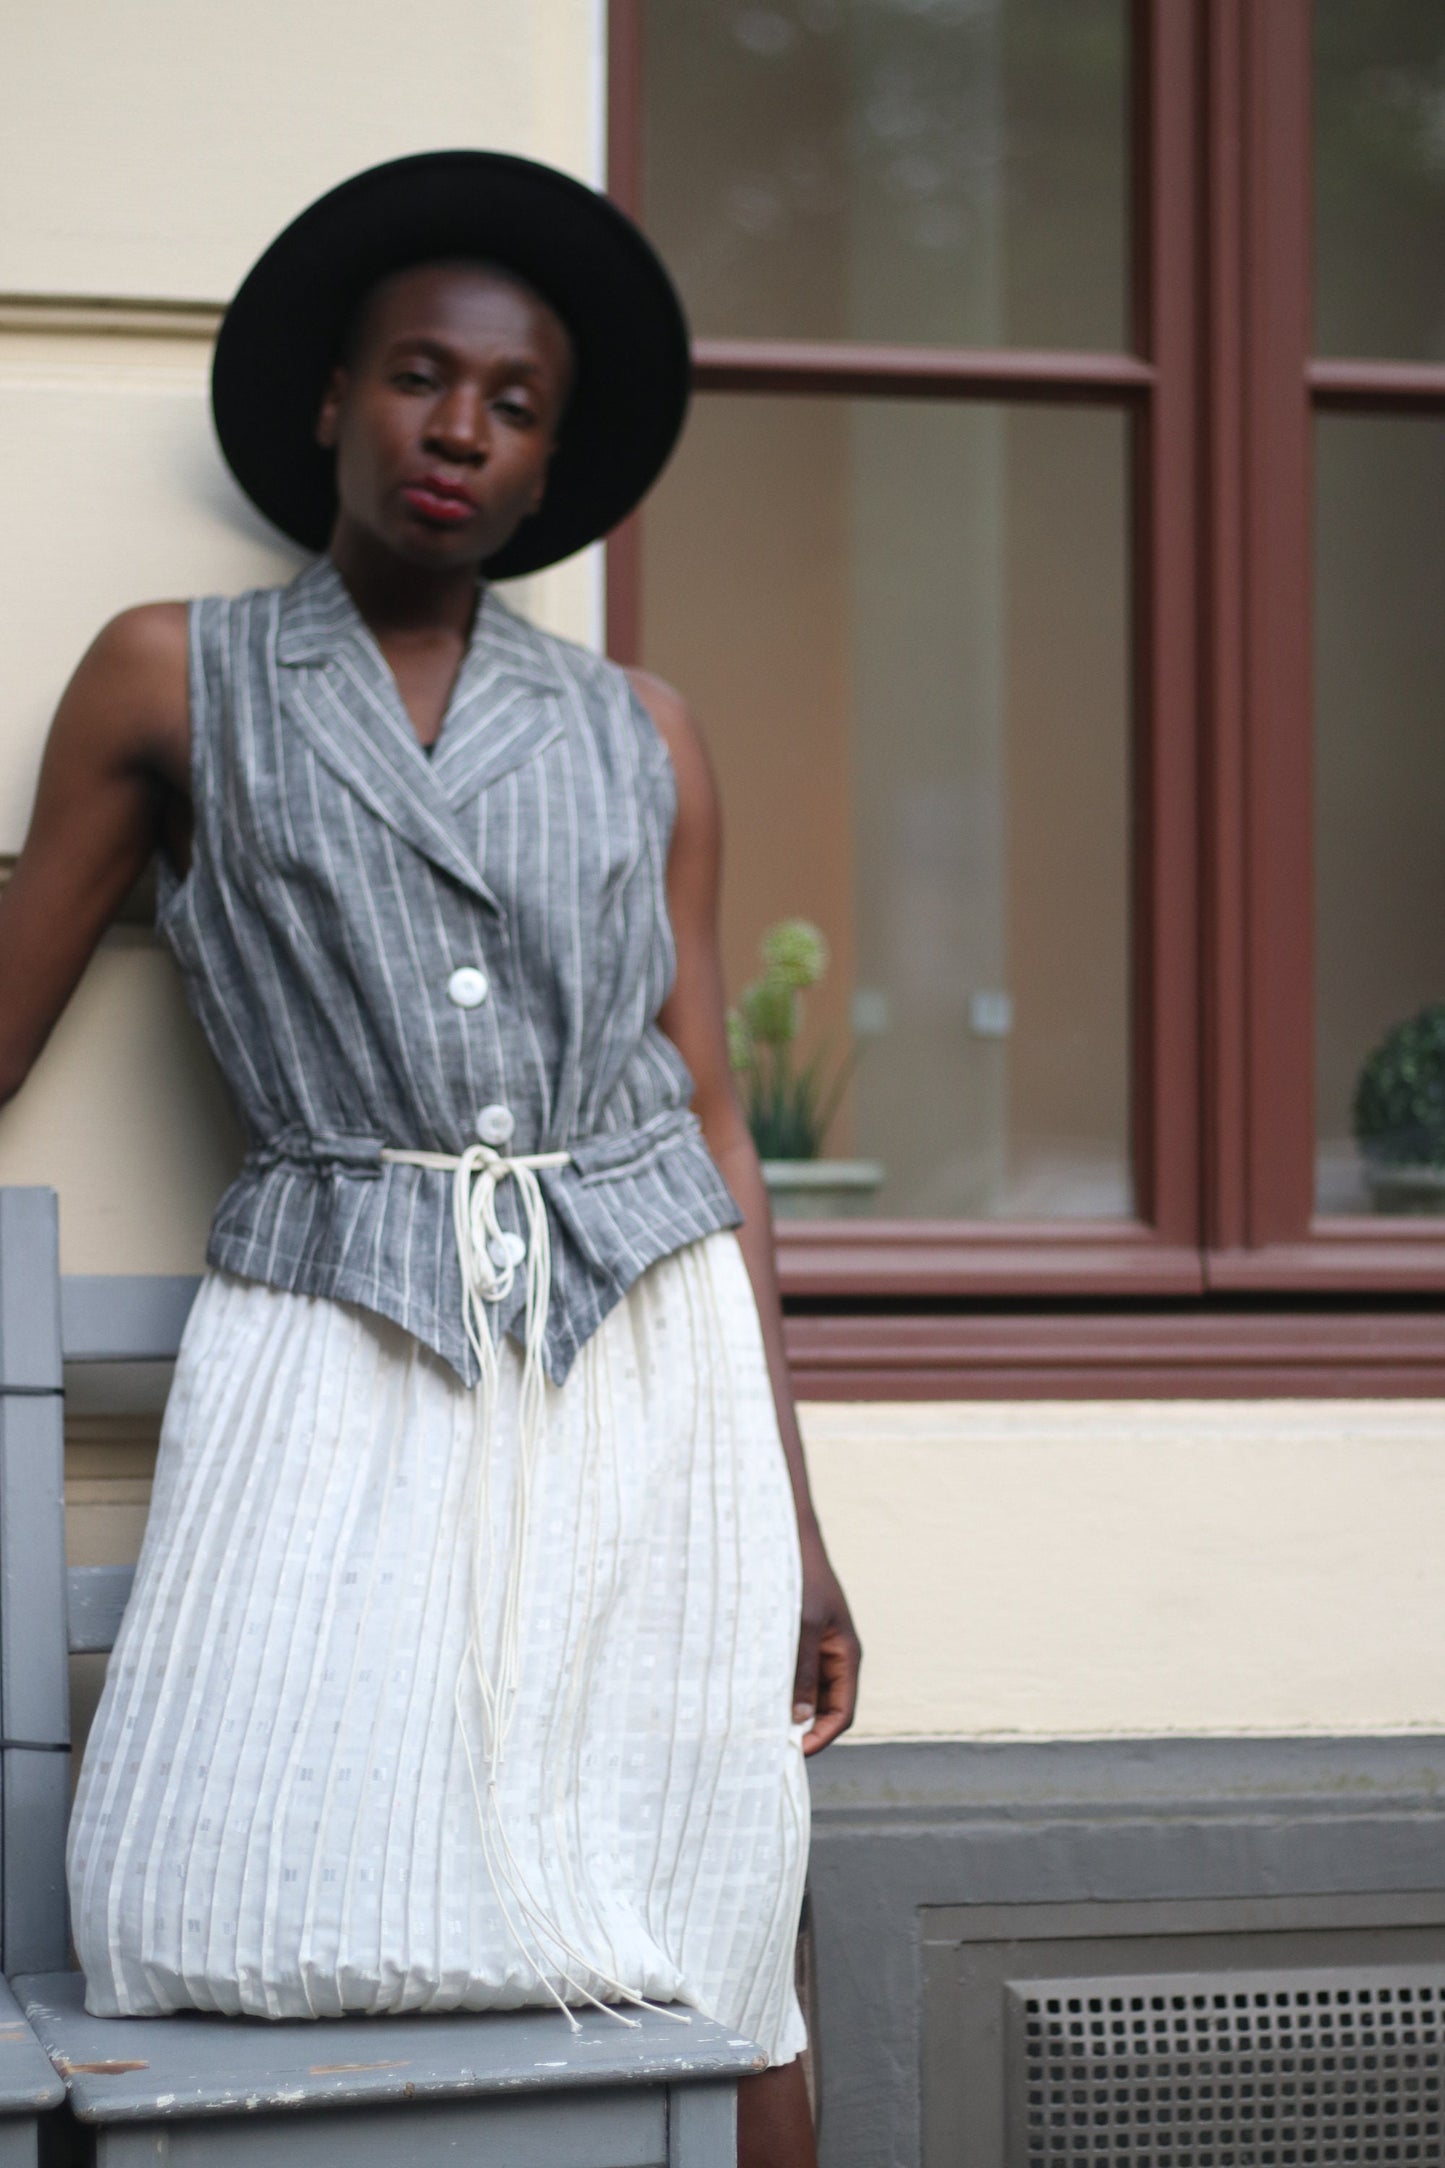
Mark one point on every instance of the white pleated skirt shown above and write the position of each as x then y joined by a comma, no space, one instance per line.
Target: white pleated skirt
276,1815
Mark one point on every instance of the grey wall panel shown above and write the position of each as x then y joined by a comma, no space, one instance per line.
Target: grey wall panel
924,1851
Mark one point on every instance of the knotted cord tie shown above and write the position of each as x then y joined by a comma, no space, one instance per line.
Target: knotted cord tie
485,1250
490,1258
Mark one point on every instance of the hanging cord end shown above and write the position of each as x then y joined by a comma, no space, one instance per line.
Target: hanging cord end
488,1269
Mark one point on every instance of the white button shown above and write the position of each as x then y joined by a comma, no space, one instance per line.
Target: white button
507,1249
467,987
495,1124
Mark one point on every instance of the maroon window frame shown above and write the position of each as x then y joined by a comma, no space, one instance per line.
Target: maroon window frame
1263,1233
1220,386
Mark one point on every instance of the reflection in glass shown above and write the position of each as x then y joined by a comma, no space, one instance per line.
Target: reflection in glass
1380,178
905,627
952,172
1379,765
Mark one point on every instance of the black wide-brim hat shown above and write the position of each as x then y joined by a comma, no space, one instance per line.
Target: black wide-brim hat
280,337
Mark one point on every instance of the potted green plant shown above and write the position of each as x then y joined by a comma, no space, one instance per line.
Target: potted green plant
789,1105
1399,1114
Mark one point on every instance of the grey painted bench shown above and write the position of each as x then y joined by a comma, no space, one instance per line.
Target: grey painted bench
202,2092
29,2087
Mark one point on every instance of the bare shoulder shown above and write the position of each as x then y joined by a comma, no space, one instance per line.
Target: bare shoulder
678,728
129,699
664,703
142,650
696,847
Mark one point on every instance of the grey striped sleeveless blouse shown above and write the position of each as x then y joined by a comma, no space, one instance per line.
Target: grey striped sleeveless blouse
383,946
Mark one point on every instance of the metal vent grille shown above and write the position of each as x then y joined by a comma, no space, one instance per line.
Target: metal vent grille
1282,2069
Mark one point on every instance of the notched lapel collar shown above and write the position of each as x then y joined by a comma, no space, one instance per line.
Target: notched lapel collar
337,688
505,707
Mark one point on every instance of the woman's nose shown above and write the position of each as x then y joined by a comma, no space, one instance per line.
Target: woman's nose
458,426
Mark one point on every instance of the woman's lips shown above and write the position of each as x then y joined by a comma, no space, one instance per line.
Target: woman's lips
435,502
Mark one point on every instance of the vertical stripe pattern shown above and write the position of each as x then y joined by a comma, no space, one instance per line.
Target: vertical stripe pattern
340,877
275,1815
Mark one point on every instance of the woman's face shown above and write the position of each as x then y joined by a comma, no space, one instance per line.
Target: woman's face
445,413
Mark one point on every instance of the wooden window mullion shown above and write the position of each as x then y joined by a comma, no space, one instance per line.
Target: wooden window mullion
1166,946
1258,794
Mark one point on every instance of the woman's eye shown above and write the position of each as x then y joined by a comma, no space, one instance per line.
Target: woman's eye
515,410
411,380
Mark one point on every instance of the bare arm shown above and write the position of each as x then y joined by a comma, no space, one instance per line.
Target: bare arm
113,785
694,1019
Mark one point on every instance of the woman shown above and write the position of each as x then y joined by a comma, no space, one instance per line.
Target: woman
465,1638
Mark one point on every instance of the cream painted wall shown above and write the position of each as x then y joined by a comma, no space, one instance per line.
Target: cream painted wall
152,149
117,495
149,153
126,1116
1042,1569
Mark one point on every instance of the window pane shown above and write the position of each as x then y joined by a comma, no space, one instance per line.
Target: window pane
941,171
1380,178
906,629
1380,791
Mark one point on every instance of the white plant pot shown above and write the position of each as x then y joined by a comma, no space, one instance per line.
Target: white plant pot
821,1188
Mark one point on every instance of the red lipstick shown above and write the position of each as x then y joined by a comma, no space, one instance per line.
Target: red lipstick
433,498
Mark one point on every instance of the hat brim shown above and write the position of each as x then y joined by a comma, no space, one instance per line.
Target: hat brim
279,338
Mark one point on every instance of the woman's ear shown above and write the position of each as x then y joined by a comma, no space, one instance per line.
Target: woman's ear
328,421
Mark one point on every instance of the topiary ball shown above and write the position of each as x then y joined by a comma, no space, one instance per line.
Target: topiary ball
1399,1105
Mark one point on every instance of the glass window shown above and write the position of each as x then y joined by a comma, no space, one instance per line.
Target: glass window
1004,651
906,627
953,172
1380,178
1379,804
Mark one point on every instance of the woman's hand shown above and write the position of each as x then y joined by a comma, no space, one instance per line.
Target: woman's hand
825,1690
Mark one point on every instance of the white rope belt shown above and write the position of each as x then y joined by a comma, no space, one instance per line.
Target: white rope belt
490,1258
485,1251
